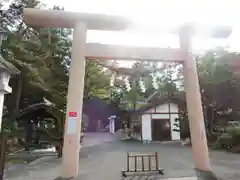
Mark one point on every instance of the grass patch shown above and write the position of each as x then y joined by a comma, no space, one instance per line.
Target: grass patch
14,160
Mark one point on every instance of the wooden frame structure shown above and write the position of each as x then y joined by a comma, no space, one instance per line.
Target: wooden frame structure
81,23
95,51
142,156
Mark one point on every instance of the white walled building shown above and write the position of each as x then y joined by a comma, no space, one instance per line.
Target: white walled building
156,122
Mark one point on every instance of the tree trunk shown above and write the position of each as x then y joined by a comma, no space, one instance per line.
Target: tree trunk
18,93
2,154
59,151
13,100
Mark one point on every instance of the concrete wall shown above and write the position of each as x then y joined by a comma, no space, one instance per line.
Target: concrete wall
146,127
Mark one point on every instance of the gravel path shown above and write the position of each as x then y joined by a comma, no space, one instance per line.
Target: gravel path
105,160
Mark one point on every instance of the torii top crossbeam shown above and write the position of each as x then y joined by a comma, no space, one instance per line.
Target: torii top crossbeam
96,51
64,19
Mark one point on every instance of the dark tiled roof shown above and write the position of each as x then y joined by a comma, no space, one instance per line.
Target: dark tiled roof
54,112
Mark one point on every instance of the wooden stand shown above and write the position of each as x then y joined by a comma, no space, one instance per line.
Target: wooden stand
145,166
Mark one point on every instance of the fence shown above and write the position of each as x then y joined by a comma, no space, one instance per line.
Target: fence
142,162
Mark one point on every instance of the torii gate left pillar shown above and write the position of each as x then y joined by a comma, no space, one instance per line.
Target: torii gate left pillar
81,22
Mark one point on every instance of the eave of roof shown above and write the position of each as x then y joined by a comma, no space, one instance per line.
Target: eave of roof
9,67
157,103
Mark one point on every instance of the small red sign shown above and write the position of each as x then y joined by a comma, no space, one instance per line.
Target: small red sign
72,114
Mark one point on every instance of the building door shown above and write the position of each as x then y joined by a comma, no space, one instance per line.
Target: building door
161,130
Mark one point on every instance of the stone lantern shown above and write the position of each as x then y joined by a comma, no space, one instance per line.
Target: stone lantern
7,70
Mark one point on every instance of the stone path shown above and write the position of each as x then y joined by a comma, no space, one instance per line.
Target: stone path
186,178
92,139
104,161
46,169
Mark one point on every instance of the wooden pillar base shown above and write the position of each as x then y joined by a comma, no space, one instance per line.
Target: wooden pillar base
205,175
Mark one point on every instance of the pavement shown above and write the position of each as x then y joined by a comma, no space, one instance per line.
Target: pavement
92,139
102,157
185,178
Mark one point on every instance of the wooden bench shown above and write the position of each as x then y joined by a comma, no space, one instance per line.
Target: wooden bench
142,162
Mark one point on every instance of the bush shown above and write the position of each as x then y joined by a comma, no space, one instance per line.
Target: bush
235,135
182,126
224,140
229,139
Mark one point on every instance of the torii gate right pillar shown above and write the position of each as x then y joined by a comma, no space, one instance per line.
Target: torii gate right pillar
194,106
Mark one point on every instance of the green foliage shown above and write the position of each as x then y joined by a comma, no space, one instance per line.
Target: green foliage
182,126
167,84
42,55
229,138
96,81
216,81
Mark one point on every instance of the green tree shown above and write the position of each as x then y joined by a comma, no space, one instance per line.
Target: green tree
43,57
217,85
97,81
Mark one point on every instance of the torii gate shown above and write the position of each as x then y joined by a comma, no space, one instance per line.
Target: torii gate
80,50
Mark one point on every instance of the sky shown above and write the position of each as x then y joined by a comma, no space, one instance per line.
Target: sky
161,15
152,19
